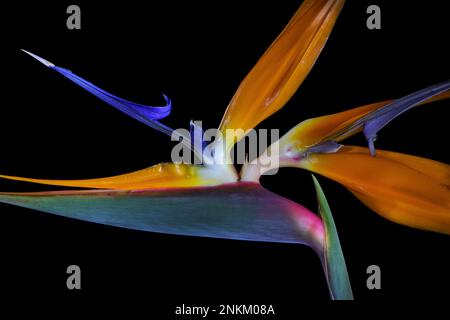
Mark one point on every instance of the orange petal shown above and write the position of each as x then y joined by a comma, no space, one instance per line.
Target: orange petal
405,189
283,67
163,175
331,127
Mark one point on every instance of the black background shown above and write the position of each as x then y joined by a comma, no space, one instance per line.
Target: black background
197,53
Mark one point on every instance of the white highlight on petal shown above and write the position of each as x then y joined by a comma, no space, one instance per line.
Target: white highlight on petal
41,60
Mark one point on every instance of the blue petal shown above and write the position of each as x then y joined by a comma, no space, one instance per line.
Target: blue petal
376,120
145,114
196,133
324,147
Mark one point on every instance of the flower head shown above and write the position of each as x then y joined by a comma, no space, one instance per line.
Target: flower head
213,200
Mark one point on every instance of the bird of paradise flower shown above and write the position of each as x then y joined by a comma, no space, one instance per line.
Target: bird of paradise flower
213,200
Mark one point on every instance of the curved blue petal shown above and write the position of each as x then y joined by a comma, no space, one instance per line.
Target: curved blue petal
143,113
376,120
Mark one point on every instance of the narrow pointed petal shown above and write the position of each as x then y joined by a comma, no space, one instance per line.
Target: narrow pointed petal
339,126
243,211
143,113
408,190
283,67
375,121
164,175
196,136
334,262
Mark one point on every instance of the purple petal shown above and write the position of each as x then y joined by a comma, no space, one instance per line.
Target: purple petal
143,113
324,147
376,120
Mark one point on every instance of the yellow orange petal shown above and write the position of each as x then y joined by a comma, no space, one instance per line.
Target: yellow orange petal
163,175
434,169
405,189
283,67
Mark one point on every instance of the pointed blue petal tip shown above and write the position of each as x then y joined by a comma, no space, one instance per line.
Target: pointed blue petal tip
41,60
143,113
